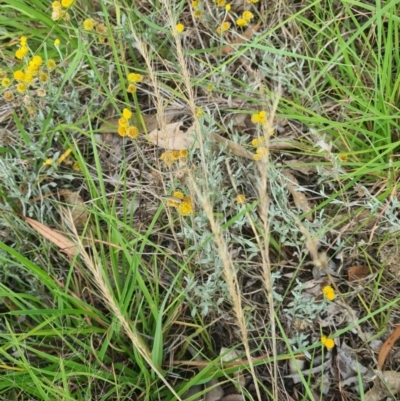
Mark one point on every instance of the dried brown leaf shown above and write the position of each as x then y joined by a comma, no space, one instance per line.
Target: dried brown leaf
78,212
247,35
381,390
387,346
233,147
173,138
299,198
358,272
58,239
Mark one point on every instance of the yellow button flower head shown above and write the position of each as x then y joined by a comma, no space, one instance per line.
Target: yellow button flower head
51,64
261,153
228,7
131,88
241,199
126,113
5,82
43,77
180,28
132,132
28,78
19,75
122,131
135,78
259,118
197,13
241,22
36,61
55,5
21,52
185,208
89,24
328,342
8,96
56,14
256,142
223,28
23,41
329,293
123,122
21,88
195,3
67,3
57,42
248,16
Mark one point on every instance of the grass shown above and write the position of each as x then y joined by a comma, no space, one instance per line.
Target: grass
149,301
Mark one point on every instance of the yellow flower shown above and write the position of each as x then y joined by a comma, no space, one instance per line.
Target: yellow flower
132,132
221,3
228,7
101,28
43,77
67,3
197,13
178,194
258,141
57,42
259,118
122,131
183,153
343,157
55,5
185,207
223,28
89,24
48,162
32,69
195,3
76,166
36,61
23,41
199,112
21,88
21,52
131,88
241,199
180,28
261,153
328,342
248,16
135,78
51,64
126,113
28,78
241,22
166,157
329,293
8,96
5,82
123,122
19,75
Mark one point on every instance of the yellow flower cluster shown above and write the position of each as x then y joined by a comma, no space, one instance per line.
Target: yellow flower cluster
247,16
329,293
60,9
23,50
259,118
223,27
181,202
328,342
197,13
262,151
171,156
25,77
124,127
133,79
